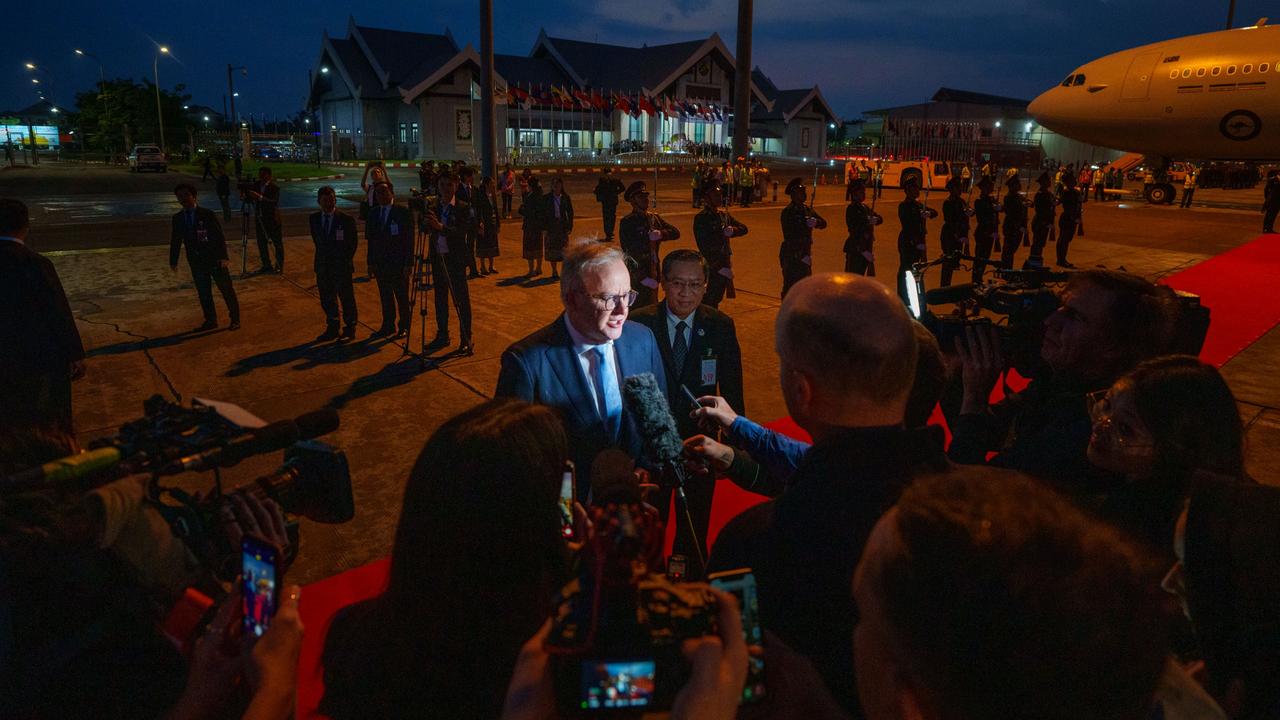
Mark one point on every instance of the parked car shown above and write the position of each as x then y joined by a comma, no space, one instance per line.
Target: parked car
147,157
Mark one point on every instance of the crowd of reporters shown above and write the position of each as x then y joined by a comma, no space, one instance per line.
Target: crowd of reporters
1014,572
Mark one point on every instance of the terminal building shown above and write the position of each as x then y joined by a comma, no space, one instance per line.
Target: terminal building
405,95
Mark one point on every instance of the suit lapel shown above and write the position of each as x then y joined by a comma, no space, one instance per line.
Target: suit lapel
697,343
568,370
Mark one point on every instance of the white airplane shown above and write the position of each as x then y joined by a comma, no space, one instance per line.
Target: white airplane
1214,96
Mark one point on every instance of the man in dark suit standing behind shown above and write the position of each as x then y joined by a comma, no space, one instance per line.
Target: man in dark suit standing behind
266,199
388,234
198,229
334,233
40,349
699,347
451,224
577,363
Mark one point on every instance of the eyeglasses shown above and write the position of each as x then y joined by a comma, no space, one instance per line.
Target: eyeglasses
687,284
1100,413
609,302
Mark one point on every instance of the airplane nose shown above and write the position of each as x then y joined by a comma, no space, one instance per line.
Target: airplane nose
1047,109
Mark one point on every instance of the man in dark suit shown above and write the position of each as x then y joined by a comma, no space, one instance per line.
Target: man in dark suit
466,191
608,188
847,353
334,234
699,347
266,199
198,229
388,236
450,223
40,349
577,363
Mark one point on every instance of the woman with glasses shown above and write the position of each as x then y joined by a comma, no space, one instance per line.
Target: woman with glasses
1157,426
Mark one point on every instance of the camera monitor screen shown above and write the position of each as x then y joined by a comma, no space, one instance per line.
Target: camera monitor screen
617,684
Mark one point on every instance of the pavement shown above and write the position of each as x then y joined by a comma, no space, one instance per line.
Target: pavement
135,317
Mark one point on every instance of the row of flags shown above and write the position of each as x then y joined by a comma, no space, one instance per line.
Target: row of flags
633,104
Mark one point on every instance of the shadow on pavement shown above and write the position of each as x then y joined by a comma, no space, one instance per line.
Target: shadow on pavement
308,355
121,348
394,374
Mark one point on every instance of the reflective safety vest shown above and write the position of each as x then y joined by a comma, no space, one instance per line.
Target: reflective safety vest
748,176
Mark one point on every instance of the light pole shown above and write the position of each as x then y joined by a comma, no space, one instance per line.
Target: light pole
231,88
155,72
102,93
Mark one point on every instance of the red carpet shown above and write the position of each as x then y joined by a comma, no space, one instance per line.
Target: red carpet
1239,287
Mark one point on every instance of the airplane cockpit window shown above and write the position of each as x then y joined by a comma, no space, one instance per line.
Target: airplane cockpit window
1079,80
1067,82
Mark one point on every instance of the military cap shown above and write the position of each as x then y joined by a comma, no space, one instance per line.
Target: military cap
636,188
795,183
707,187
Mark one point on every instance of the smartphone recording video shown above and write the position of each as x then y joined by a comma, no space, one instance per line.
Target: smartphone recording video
258,583
568,483
741,584
613,684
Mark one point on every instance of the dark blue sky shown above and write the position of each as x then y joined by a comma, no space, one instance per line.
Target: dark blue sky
864,53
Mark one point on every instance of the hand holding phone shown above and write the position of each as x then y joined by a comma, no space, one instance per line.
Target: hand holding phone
741,583
259,583
568,493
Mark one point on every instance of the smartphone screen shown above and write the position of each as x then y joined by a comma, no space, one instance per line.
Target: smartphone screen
742,585
611,684
565,502
258,583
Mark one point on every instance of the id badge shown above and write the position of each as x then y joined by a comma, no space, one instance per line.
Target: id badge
394,228
708,371
338,235
202,235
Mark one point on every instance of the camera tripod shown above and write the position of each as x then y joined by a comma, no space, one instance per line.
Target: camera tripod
419,287
246,210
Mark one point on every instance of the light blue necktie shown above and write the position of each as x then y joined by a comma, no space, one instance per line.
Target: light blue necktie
609,391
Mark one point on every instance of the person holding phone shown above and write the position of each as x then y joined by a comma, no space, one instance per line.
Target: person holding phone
479,527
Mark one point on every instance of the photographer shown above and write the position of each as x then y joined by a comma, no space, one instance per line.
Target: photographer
266,199
1108,322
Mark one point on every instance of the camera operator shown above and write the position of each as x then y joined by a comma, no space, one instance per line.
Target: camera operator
1109,321
266,199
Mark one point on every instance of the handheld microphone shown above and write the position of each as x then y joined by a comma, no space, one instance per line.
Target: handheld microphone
276,436
648,406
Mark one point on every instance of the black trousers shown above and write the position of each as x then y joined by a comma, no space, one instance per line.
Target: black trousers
275,234
393,292
855,263
449,276
984,239
506,204
470,260
1014,235
908,256
717,284
951,242
748,193
226,207
610,213
333,282
1039,238
1098,193
204,277
1269,219
1187,194
794,269
1066,231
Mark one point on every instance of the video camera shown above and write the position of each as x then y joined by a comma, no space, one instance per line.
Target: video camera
314,481
617,629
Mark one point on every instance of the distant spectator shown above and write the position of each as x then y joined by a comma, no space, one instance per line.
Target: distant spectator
40,348
992,598
478,556
222,185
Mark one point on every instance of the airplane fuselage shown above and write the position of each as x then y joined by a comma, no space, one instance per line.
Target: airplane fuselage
1210,96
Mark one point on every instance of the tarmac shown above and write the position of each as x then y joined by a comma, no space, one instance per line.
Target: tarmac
135,317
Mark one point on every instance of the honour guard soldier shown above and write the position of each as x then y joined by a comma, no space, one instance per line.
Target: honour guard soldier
859,257
198,230
986,213
1070,220
1015,222
334,234
955,227
913,216
641,233
608,188
712,230
798,223
1042,221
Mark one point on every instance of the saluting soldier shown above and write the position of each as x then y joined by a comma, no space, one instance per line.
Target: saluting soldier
608,188
913,216
1015,222
1042,221
641,233
859,256
986,213
712,230
1069,221
955,226
798,222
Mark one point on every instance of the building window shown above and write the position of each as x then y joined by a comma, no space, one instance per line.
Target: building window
699,132
404,133
530,138
1186,73
566,139
413,132
804,137
634,130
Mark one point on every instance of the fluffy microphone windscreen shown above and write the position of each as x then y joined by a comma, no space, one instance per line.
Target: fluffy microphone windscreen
648,407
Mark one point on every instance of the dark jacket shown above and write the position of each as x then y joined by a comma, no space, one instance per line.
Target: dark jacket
542,368
37,330
642,253
861,222
335,250
708,233
389,246
269,205
458,221
803,546
713,346
202,236
562,226
607,191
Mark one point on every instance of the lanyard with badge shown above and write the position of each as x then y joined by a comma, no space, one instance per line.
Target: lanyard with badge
707,369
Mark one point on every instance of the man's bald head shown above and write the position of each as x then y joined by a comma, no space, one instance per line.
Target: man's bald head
850,336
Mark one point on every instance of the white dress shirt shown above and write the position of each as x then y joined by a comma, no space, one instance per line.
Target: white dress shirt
584,350
671,326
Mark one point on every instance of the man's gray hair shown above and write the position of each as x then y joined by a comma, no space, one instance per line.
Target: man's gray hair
586,255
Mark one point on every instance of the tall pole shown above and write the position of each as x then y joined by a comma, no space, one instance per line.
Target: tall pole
742,82
231,93
1231,13
155,72
488,133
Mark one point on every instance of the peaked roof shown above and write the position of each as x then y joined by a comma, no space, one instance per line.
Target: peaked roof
789,103
400,57
525,71
975,98
599,65
763,82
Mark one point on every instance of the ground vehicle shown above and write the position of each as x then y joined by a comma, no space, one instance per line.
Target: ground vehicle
147,157
929,173
268,152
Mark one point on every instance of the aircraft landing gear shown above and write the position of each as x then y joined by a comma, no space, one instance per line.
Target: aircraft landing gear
1160,194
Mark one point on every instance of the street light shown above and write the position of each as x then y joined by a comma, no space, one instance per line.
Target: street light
30,66
155,72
